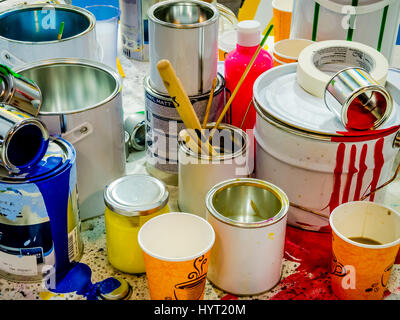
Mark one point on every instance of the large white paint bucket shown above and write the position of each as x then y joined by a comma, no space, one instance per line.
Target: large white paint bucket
302,148
372,22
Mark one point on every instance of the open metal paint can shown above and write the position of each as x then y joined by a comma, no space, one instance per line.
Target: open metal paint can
39,221
303,148
29,33
199,172
163,124
186,34
249,218
82,103
23,140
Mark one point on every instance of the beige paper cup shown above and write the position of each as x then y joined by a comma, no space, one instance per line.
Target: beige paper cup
360,271
288,50
176,248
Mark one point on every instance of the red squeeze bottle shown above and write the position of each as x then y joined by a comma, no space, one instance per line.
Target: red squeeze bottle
248,40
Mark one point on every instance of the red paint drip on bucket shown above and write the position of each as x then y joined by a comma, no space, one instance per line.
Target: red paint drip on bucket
362,169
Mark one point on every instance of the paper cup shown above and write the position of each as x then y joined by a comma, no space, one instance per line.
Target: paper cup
282,15
176,249
361,271
288,50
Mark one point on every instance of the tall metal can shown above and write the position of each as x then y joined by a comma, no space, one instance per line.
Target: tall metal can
134,28
39,220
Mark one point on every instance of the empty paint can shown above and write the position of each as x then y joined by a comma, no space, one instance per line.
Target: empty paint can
29,33
199,172
130,202
23,140
39,221
163,124
82,102
304,148
249,218
186,34
135,125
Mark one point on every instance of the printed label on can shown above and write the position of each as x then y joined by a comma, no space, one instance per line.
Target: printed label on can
73,245
18,265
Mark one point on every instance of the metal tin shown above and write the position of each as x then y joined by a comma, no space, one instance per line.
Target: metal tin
82,102
249,218
19,92
135,28
35,38
163,124
23,140
126,139
135,125
130,202
199,172
186,34
123,292
39,225
306,150
358,100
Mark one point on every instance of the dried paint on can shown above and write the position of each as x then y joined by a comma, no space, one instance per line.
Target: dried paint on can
39,221
163,124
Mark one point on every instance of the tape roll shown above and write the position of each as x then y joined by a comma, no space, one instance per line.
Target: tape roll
318,62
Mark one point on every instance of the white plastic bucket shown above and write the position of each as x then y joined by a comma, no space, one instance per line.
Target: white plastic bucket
372,22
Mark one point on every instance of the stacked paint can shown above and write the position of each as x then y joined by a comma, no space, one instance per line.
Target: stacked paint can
186,34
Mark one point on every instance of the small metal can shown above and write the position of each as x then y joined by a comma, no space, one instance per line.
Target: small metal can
130,202
199,172
249,219
357,99
135,125
23,139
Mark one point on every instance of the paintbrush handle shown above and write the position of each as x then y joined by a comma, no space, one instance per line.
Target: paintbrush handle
210,99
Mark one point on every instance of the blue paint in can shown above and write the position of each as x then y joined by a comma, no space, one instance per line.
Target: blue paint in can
39,218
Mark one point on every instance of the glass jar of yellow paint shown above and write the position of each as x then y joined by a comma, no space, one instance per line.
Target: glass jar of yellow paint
130,202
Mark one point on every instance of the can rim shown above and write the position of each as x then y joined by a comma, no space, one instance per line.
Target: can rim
243,150
153,18
132,210
65,7
77,62
282,197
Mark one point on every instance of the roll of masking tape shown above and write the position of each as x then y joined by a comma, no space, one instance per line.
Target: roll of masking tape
318,62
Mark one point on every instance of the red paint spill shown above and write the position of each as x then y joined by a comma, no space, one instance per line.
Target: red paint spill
362,169
359,117
366,135
351,172
397,261
311,280
229,297
379,162
334,200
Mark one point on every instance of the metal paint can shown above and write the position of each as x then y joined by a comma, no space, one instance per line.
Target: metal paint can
23,140
304,149
130,202
163,124
357,99
186,34
249,218
19,92
29,33
134,26
82,103
135,125
39,221
199,172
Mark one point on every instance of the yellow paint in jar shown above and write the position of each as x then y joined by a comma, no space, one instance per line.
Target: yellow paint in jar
130,202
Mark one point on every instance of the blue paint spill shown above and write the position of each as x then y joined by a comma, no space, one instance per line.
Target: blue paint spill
78,280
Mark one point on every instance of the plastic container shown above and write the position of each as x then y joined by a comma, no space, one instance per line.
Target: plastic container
249,37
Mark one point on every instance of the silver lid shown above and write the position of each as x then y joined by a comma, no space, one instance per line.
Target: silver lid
136,195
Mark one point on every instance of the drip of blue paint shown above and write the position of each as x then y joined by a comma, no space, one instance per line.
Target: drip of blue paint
79,280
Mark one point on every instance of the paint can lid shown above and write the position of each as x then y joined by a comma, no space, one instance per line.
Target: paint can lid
121,291
60,154
136,195
279,98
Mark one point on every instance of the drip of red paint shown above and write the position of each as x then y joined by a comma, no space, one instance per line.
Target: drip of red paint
311,281
351,172
229,297
379,162
367,135
362,169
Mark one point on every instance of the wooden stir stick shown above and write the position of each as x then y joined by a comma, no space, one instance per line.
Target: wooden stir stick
210,99
183,105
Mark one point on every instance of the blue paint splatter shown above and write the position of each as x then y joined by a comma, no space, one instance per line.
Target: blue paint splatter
79,280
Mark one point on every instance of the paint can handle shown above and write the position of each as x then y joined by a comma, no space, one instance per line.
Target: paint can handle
396,142
9,59
79,133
